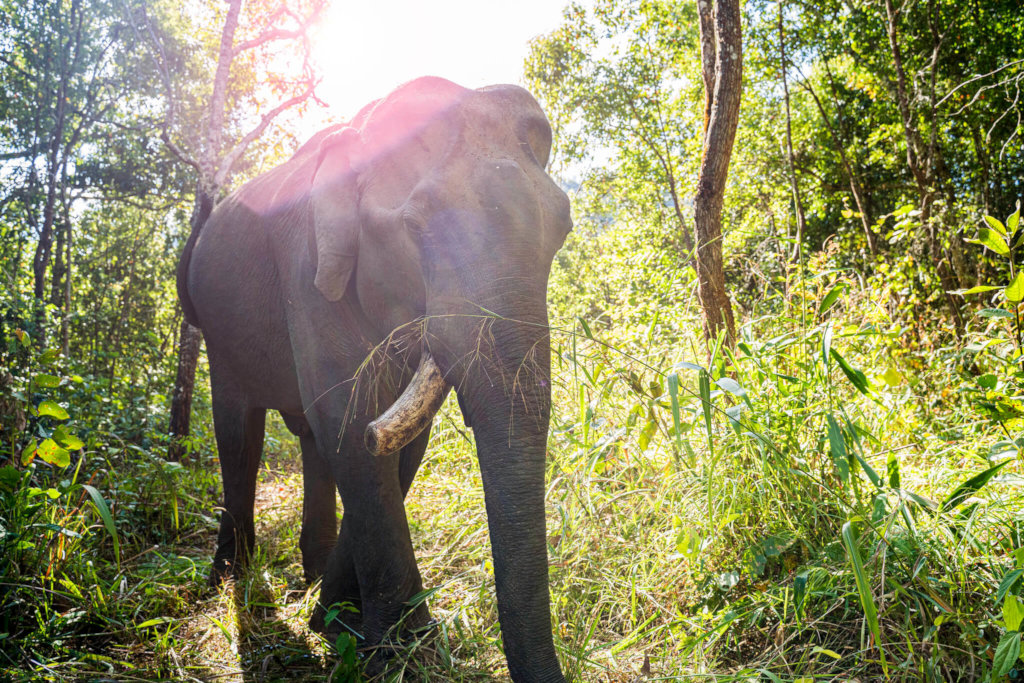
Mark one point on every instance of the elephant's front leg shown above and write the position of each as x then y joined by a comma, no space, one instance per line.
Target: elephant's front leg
344,576
375,543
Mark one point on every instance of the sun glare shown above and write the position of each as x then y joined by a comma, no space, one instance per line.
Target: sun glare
365,49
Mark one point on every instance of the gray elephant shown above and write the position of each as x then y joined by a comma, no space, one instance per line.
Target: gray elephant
389,260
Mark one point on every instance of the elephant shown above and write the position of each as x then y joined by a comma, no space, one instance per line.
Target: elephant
391,259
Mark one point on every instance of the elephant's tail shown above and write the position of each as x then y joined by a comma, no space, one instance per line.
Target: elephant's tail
201,215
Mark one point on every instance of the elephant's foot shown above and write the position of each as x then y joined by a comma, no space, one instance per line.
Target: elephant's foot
227,563
389,658
342,617
314,561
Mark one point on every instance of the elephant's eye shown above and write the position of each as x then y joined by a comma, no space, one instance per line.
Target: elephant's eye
414,224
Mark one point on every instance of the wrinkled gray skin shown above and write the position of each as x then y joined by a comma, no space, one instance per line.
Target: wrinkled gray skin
431,205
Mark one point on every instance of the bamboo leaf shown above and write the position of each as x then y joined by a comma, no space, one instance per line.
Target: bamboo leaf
831,297
673,394
980,289
856,377
867,599
971,486
108,520
826,343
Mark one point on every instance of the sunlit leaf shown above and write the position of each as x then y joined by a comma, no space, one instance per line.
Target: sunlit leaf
980,289
996,225
993,240
50,452
46,381
53,409
1013,612
1015,291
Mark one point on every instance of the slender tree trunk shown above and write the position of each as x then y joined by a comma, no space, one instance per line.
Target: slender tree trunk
190,337
214,167
921,160
794,183
851,174
722,69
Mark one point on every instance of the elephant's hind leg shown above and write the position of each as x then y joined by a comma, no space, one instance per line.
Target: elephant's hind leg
319,504
239,428
319,510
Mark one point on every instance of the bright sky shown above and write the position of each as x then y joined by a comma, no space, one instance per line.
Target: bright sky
365,48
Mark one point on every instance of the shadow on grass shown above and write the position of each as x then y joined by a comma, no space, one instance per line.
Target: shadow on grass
269,646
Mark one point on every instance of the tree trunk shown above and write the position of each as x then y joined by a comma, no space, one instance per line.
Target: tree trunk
722,68
190,337
181,402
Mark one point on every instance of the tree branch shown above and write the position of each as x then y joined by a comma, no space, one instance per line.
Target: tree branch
224,169
281,33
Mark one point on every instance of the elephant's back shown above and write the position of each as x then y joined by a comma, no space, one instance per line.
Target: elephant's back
235,291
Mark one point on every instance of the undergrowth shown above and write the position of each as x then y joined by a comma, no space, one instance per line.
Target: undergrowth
836,496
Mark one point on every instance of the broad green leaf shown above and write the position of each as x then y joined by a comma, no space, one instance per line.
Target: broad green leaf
892,377
1007,653
53,409
66,439
1015,291
108,520
1013,612
28,454
993,240
50,452
1013,221
867,598
48,356
996,225
46,381
972,486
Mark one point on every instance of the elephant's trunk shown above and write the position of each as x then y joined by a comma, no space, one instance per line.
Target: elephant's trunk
411,413
506,393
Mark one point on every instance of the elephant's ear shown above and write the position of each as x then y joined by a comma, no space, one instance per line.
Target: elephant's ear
335,202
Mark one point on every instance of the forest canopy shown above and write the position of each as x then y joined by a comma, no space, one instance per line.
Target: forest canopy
830,489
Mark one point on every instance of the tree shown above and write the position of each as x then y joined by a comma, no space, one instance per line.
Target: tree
721,52
215,163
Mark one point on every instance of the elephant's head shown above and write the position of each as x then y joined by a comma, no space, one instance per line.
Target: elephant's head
435,203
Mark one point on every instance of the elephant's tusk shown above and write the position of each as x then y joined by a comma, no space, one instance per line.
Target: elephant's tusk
411,413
